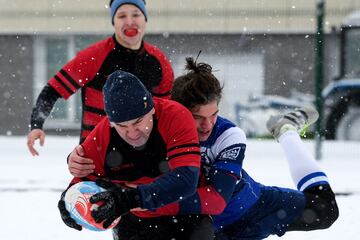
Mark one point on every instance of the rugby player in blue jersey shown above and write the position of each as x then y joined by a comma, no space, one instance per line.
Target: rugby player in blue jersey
241,207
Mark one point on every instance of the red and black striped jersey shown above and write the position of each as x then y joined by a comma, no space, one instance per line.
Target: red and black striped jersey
168,164
89,69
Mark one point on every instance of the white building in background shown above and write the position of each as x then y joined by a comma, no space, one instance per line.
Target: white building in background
172,16
257,46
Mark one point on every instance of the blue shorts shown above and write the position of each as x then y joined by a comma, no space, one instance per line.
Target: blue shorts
275,210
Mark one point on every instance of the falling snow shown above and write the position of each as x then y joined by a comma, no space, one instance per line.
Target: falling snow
42,179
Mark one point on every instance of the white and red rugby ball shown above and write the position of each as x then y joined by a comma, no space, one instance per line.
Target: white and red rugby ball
78,204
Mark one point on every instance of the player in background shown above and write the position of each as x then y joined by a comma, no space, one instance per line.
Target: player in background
88,71
241,207
150,143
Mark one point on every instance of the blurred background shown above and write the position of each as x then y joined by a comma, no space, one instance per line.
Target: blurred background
263,51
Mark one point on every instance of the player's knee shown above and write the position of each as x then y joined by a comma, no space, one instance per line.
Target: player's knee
328,215
331,217
333,213
321,210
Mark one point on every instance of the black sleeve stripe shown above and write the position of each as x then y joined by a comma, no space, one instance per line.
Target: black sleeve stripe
184,146
161,94
82,140
94,110
87,127
44,104
182,154
70,79
64,85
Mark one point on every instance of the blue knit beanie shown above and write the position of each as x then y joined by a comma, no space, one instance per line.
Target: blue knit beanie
125,97
140,4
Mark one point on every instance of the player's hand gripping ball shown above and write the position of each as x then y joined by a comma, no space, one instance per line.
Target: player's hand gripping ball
78,204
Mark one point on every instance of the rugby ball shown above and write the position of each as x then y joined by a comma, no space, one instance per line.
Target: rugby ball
77,202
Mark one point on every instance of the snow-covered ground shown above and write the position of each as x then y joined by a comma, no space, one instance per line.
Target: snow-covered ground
30,187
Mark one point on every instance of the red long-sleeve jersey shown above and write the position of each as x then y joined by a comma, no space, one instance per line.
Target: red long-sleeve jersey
166,169
89,69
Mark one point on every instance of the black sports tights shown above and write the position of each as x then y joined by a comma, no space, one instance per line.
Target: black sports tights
320,212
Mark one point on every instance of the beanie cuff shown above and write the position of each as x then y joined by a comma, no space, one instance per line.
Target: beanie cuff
140,4
131,114
125,97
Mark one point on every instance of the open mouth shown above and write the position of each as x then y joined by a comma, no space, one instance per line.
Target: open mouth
131,32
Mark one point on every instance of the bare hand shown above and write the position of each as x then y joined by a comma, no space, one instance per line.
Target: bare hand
32,137
78,165
131,185
138,209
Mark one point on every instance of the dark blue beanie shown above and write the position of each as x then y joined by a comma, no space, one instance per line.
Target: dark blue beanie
125,97
140,4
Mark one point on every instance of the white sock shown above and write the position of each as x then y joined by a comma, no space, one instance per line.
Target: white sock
304,169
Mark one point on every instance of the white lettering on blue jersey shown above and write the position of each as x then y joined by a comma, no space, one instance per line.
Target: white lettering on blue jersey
231,154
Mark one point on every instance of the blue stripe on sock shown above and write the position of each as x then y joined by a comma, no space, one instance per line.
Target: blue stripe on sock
308,177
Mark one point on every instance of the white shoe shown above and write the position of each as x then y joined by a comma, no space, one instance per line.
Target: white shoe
298,120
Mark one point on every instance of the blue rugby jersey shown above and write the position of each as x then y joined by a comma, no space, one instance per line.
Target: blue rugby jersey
224,151
225,190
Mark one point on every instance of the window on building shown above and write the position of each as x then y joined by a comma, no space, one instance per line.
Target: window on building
50,54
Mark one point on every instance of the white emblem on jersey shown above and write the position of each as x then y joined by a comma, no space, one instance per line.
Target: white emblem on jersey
231,154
